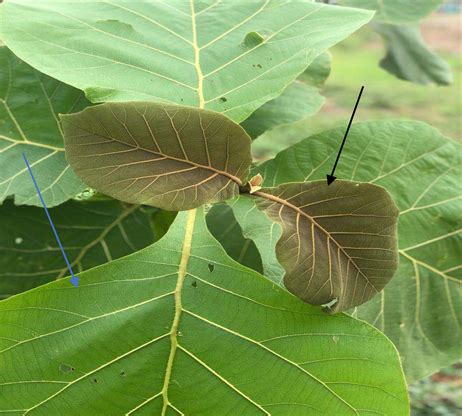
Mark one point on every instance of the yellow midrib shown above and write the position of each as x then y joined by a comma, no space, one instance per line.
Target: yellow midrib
187,243
185,254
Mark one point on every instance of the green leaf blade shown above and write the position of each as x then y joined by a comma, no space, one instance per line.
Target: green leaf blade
127,360
172,157
29,104
188,55
92,233
420,168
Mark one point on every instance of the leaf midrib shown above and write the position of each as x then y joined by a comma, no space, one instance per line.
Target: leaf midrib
186,161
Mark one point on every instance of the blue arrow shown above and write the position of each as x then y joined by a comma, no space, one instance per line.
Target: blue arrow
74,279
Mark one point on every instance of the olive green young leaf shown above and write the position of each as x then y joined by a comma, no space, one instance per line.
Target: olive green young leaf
92,233
168,156
180,328
206,53
339,242
29,103
420,308
409,58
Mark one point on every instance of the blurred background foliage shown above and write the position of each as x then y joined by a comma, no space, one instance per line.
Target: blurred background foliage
355,63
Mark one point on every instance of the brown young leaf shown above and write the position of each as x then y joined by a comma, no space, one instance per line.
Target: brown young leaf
339,242
168,156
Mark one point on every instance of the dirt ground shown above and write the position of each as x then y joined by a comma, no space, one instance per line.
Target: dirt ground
443,32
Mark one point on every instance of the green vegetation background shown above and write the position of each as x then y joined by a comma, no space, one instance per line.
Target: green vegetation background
355,63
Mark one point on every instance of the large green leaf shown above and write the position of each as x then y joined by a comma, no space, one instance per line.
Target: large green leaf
208,54
409,58
338,243
396,11
92,233
29,104
299,100
162,332
420,309
169,156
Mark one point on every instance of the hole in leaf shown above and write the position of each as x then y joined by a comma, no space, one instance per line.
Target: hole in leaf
94,381
211,267
194,284
122,373
223,99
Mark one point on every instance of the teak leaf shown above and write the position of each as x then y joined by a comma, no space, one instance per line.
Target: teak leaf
396,11
409,58
29,103
92,233
338,243
189,52
156,332
168,156
420,308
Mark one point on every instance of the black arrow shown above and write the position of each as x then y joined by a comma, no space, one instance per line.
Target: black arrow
331,178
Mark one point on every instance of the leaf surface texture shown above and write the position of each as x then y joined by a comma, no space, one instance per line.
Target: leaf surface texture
338,242
420,308
168,156
92,233
29,104
194,53
157,331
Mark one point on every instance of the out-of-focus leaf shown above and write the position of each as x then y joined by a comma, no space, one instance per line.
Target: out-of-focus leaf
29,104
339,242
92,233
396,11
409,58
318,72
209,54
180,328
168,156
420,308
